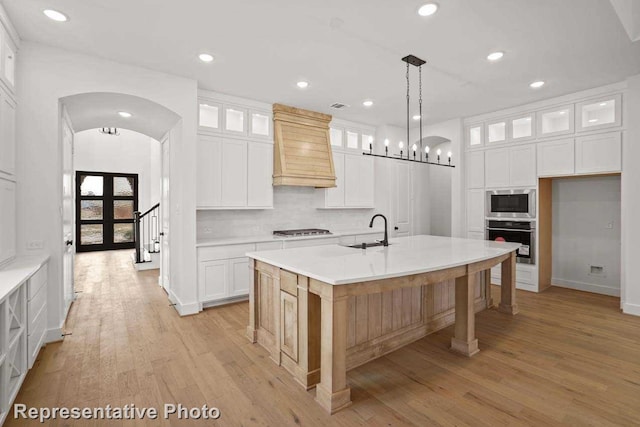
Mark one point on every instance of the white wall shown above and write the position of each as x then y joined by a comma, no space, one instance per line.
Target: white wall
582,210
630,298
129,152
45,75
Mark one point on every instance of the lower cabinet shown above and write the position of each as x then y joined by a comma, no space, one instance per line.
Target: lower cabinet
224,278
289,324
240,276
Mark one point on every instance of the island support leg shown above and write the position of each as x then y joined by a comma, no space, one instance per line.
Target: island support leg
508,286
252,329
464,340
332,392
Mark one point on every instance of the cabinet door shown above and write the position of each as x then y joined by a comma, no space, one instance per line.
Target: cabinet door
555,121
475,169
358,181
234,173
475,210
599,153
260,165
209,116
599,113
556,158
289,325
213,280
260,122
474,135
522,166
335,195
9,61
522,127
208,171
240,276
235,119
7,220
496,168
7,134
496,132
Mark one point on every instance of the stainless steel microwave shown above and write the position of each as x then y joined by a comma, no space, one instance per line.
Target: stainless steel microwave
511,203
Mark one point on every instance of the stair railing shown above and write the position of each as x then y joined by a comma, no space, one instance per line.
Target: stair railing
146,232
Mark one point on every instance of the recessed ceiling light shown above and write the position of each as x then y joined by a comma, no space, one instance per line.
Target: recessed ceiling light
302,84
367,103
537,85
428,9
205,57
416,117
124,114
494,56
55,15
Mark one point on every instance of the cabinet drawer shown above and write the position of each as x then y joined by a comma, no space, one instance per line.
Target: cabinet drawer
36,338
289,282
37,281
268,246
311,242
224,252
35,307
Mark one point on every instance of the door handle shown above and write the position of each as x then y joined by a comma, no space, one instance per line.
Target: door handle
161,233
396,228
68,242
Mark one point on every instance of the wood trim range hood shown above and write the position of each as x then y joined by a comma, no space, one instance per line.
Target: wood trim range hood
302,154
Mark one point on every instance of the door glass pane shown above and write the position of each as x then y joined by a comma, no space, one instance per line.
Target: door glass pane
122,233
235,120
521,128
91,209
91,234
209,116
91,185
352,139
122,186
123,209
555,121
497,132
336,137
259,124
599,113
475,135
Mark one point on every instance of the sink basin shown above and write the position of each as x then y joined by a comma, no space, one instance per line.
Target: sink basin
365,245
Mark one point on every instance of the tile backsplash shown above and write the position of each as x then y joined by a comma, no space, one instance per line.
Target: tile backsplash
294,207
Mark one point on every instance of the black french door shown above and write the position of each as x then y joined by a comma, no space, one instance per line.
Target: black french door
105,203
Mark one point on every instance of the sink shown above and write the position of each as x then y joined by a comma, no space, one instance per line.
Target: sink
365,245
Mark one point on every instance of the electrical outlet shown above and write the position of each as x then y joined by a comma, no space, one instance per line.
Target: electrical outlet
208,230
609,225
35,244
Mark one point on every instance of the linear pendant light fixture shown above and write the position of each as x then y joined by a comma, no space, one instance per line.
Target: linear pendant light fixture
416,62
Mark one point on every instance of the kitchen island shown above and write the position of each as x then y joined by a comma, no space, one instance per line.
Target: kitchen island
323,310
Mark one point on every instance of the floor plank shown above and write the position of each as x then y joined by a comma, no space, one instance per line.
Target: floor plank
568,358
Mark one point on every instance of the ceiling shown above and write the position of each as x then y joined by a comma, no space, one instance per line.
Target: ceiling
99,109
350,50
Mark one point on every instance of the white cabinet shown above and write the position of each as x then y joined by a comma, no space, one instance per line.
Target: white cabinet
475,210
213,280
555,121
7,220
604,112
36,313
475,235
354,183
234,173
240,276
522,127
260,175
474,135
260,124
475,169
522,166
234,119
209,116
599,153
496,132
7,134
511,167
8,59
318,241
556,158
496,168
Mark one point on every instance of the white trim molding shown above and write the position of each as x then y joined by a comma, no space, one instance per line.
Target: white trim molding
633,309
182,308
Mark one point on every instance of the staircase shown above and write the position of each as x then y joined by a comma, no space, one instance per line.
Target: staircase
147,239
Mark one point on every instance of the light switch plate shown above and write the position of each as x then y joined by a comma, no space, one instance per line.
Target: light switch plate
35,244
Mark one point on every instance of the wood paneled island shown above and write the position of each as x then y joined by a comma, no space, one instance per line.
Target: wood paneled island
323,310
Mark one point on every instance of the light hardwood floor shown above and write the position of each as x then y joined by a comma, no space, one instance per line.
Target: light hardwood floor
568,358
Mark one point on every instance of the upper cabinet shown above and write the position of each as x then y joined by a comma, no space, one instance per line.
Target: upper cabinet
209,116
600,153
354,183
336,136
496,132
556,158
511,167
474,135
556,121
475,169
599,113
522,128
7,134
233,118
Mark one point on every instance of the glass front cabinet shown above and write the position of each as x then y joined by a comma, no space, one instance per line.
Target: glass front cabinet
556,121
599,113
522,128
496,132
474,135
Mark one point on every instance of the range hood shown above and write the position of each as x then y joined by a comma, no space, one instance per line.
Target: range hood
302,154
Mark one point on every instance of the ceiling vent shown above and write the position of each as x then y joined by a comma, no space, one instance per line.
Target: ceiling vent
338,105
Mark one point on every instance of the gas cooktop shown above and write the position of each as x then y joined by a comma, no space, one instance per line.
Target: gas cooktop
301,232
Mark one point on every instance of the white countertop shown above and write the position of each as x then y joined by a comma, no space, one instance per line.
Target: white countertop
17,271
339,265
271,238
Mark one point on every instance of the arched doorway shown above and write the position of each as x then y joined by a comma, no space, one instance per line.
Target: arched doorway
93,110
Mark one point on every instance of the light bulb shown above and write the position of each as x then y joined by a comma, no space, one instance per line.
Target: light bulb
370,139
439,152
386,142
449,154
426,149
415,147
401,144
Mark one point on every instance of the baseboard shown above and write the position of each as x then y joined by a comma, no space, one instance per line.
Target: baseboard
53,335
633,309
230,300
182,308
586,287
